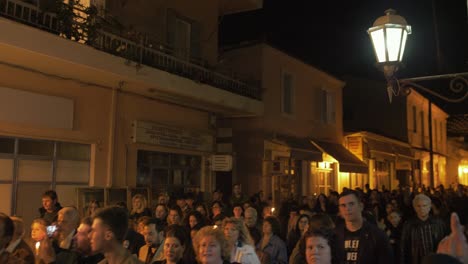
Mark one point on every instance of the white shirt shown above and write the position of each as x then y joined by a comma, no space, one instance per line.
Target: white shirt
66,242
245,254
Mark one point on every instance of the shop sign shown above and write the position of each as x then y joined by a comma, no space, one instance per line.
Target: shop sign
355,145
172,137
403,165
221,163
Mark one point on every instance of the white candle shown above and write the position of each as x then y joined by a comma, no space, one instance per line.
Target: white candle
38,244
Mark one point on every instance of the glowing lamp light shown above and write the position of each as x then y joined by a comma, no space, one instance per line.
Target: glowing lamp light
272,210
388,35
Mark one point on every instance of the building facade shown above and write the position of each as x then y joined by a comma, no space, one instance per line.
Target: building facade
116,112
294,148
427,134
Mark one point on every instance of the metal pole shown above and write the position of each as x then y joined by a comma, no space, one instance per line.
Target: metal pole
431,150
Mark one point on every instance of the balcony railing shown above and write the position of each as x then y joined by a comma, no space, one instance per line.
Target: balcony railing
141,53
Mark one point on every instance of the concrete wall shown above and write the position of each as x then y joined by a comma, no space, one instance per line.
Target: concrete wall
90,120
132,107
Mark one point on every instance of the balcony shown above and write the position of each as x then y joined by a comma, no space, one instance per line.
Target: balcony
230,7
140,52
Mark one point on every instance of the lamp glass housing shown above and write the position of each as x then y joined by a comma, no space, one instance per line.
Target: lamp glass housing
389,41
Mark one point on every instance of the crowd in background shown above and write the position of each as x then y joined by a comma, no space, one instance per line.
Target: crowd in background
356,226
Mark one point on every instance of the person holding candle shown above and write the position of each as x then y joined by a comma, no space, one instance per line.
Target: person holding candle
42,246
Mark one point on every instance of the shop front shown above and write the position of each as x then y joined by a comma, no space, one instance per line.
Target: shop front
176,162
339,169
287,162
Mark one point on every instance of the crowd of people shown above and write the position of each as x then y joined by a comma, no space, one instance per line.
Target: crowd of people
356,226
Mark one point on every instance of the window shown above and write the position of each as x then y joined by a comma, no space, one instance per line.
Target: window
31,166
184,36
415,120
287,94
168,172
328,110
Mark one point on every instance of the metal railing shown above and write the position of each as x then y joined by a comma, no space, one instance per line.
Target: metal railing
140,53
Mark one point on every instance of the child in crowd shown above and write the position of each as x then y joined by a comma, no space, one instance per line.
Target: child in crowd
393,231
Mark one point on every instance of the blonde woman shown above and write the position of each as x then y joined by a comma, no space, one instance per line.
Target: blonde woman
210,246
139,208
240,242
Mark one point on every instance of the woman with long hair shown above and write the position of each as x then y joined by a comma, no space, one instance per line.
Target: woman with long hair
240,242
302,224
194,218
139,207
271,244
93,205
177,247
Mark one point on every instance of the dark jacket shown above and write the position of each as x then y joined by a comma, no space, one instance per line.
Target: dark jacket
50,217
374,247
411,242
90,259
24,252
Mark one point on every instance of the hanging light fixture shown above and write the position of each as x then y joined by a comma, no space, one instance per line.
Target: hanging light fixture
388,35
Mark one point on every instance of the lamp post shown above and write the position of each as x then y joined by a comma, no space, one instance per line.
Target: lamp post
389,34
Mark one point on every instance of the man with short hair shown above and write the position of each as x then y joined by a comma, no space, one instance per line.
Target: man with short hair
250,219
50,206
108,231
153,231
422,233
6,233
182,203
68,220
357,240
237,196
18,246
82,243
175,216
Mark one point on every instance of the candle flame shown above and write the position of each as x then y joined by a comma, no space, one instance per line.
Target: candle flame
38,244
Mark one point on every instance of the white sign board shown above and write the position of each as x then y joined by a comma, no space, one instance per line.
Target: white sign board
221,163
173,137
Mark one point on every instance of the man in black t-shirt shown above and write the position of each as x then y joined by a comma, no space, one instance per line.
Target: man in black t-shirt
359,242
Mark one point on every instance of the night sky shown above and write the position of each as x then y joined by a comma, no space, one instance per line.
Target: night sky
332,35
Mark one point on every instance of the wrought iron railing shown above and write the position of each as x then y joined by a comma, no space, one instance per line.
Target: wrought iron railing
139,52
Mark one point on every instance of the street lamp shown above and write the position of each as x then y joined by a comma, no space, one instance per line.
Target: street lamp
389,34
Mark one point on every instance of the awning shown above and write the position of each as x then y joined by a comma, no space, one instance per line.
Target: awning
348,162
403,151
301,148
380,146
389,148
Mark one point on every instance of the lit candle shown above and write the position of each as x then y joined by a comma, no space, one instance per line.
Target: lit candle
38,244
215,226
272,210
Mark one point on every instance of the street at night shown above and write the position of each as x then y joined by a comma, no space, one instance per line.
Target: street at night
233,131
